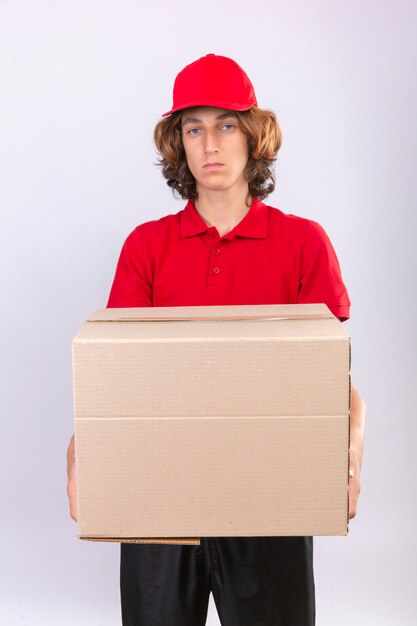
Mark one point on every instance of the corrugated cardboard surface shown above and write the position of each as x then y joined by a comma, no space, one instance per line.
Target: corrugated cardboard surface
235,425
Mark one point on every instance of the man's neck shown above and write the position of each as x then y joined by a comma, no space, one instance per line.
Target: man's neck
223,209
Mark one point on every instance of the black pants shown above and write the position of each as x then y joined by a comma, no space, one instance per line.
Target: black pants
255,581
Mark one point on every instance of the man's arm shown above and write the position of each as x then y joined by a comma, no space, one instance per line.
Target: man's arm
130,288
357,431
71,486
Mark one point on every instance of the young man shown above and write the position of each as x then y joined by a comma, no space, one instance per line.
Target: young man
225,247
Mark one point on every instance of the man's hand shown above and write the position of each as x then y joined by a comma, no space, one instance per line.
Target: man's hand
357,432
71,486
354,491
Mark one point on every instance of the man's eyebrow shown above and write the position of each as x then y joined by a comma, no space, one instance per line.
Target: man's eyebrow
224,115
191,120
196,120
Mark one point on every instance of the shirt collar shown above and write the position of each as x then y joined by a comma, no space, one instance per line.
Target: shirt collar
254,224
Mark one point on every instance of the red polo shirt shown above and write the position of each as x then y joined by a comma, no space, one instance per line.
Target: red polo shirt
268,258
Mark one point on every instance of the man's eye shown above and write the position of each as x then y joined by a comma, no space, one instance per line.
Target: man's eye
193,131
228,126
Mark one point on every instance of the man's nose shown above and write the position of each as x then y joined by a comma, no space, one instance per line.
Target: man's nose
211,142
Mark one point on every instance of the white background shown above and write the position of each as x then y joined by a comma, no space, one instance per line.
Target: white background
82,84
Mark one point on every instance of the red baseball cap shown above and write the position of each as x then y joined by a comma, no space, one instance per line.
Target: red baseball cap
215,81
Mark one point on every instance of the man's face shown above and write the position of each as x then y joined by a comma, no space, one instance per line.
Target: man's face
215,147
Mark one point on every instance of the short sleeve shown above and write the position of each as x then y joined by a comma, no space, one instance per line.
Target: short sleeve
320,276
131,284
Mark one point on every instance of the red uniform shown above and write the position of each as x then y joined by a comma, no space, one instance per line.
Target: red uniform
268,258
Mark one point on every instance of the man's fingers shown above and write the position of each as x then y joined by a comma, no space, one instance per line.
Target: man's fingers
354,490
71,484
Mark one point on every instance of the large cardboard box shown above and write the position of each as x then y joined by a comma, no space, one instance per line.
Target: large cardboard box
211,421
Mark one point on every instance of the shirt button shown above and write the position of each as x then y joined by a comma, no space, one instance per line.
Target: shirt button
217,250
212,236
216,270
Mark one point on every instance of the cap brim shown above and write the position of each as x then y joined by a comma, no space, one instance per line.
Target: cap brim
232,106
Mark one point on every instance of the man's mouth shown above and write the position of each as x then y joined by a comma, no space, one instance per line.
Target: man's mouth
213,166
